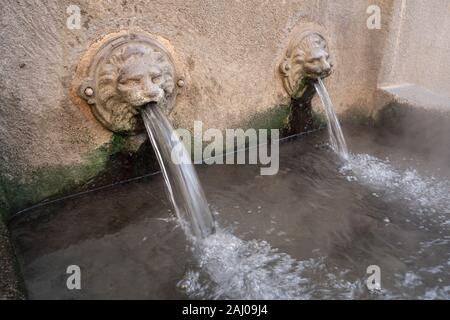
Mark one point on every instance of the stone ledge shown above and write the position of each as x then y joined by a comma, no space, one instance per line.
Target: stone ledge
417,96
417,115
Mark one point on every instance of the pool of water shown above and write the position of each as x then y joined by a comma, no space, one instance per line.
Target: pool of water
309,232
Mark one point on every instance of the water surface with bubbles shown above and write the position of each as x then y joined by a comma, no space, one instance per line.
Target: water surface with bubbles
309,232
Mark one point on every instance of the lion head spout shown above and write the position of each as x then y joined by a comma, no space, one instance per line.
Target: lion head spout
133,76
306,58
121,73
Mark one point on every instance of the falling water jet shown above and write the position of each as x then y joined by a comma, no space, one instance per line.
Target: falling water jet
306,61
184,189
337,139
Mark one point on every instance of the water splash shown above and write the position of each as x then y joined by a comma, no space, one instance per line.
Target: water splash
337,139
426,194
183,186
232,268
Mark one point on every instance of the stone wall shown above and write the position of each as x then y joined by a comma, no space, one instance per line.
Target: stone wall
11,285
418,46
227,51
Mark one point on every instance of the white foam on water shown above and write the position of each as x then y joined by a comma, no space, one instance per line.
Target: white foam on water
231,268
425,194
437,293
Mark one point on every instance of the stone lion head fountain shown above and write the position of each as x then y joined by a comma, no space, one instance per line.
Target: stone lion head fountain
126,73
306,59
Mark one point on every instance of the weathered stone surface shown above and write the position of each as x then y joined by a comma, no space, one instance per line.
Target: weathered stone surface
417,47
11,286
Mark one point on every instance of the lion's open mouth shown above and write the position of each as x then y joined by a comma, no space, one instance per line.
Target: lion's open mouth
317,75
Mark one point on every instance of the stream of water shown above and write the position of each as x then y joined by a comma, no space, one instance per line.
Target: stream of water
337,139
184,189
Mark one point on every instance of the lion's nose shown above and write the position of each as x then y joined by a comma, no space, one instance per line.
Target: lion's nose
326,66
152,91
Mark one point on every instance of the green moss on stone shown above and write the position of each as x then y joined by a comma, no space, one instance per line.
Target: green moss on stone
3,201
319,119
46,182
274,118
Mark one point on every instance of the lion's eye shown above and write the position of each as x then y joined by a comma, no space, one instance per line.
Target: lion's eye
313,61
156,79
130,81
